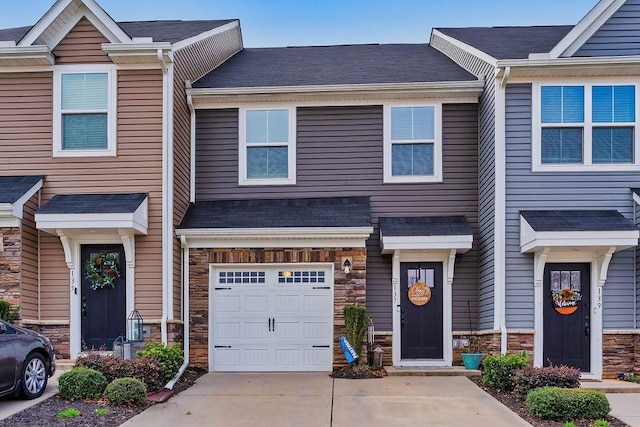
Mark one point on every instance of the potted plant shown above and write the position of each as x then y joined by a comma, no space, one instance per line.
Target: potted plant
471,354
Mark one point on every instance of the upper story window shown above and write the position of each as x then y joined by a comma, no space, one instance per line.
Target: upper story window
84,113
583,127
267,146
412,144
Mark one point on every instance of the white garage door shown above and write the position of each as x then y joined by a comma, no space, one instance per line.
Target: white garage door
272,319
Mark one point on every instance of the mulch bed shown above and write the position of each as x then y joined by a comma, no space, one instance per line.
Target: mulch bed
358,372
45,413
512,401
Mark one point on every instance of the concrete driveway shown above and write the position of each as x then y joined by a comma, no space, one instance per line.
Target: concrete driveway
311,400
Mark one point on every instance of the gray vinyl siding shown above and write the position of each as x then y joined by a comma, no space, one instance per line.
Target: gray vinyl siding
339,153
486,175
636,254
571,190
620,35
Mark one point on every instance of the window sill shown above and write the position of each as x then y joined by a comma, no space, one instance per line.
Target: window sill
85,153
256,182
587,168
412,179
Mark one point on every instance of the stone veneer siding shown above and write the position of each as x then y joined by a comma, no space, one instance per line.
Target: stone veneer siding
620,353
10,259
347,289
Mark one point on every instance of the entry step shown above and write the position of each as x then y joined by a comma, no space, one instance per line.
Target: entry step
431,371
611,386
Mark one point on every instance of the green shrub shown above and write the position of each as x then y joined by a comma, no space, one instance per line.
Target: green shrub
499,371
126,391
7,312
147,370
81,383
528,378
567,403
169,357
356,321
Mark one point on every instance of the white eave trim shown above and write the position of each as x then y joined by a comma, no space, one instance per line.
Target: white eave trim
136,222
285,237
467,89
15,210
569,67
466,47
586,28
126,53
459,243
532,241
28,55
195,39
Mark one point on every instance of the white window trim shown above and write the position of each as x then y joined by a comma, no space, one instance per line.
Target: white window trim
112,85
587,126
437,146
242,148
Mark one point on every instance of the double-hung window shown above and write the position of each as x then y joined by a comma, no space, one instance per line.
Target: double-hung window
586,126
412,144
84,116
267,146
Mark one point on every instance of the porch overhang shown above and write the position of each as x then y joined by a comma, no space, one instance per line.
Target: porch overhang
425,233
94,213
15,191
584,229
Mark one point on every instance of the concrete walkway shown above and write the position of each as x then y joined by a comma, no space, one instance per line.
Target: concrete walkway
624,398
317,400
10,405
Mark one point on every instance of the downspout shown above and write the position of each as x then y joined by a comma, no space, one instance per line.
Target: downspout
185,310
192,111
166,260
500,207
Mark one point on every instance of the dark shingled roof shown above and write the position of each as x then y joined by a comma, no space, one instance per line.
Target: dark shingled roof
510,42
573,220
334,65
425,226
277,213
14,187
93,203
161,31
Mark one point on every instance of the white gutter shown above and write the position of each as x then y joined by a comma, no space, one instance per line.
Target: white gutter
578,61
185,304
500,209
166,219
192,168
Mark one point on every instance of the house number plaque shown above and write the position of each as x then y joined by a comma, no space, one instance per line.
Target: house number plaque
419,293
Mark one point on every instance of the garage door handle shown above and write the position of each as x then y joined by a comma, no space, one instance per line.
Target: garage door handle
222,289
320,346
269,324
222,346
322,287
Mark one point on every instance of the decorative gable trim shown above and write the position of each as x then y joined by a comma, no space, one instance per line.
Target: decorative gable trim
586,28
67,13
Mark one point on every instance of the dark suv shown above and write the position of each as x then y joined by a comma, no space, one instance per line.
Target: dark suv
27,361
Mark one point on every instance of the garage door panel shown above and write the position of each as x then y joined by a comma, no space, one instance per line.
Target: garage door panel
275,323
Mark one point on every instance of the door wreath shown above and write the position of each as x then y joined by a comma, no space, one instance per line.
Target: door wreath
102,271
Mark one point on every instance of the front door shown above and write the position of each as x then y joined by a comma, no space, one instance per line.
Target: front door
421,310
567,338
103,310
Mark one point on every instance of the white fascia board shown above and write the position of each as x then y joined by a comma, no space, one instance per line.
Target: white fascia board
115,30
138,52
586,28
44,22
576,62
466,47
195,39
461,243
593,239
289,237
18,206
470,91
29,55
135,222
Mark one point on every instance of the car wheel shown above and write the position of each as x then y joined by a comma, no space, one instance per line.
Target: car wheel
33,379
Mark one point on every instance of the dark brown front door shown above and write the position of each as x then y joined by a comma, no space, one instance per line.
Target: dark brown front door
567,334
421,325
103,311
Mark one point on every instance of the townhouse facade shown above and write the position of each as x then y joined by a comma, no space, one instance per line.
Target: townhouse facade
248,195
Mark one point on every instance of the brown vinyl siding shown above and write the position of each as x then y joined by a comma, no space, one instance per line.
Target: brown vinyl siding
339,153
26,148
82,45
191,63
29,262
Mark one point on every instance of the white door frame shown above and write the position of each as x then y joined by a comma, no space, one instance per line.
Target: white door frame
447,258
217,266
599,259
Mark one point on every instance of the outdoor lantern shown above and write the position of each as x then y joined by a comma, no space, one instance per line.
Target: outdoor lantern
134,326
377,356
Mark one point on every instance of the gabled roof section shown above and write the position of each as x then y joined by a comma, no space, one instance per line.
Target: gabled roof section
15,191
509,42
64,15
334,65
586,28
425,233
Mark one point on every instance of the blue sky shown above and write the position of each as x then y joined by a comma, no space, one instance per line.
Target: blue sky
321,22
